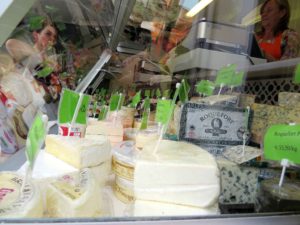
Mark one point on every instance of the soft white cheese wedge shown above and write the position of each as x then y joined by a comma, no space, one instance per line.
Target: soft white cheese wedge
151,208
179,173
74,195
18,203
101,172
79,152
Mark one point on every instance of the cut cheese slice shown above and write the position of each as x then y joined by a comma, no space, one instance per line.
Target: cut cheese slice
151,208
74,195
79,152
18,203
146,136
179,173
104,128
101,172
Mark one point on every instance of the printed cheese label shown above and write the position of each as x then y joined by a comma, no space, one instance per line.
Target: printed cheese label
11,200
215,125
282,142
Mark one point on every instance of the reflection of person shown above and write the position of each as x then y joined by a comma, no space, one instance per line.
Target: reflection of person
44,40
275,39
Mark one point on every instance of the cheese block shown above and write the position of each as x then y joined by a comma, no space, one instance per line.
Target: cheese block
113,131
18,203
104,128
130,134
238,183
123,190
79,152
151,208
267,115
144,137
289,99
74,195
175,175
123,160
230,100
101,172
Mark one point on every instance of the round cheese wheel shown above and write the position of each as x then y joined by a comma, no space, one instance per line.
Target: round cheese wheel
18,202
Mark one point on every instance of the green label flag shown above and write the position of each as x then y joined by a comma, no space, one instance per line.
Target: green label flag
146,113
36,137
282,142
225,74
166,93
45,72
116,102
163,110
158,93
135,100
237,79
103,112
67,106
184,91
296,79
205,87
147,93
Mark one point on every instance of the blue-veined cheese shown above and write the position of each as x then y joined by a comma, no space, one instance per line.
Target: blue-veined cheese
238,184
16,202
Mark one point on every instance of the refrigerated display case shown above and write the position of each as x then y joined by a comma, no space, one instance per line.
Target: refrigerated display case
103,48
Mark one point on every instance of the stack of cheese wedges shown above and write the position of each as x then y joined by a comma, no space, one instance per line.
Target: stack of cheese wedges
179,179
74,195
112,130
89,152
16,202
92,158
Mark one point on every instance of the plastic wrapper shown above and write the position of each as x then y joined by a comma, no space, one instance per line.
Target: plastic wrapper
17,202
272,198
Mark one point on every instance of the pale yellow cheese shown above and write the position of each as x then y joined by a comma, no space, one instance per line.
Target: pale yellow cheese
79,152
74,195
18,203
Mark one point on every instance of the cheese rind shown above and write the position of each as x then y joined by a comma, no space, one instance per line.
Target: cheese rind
15,204
151,208
74,195
79,152
178,173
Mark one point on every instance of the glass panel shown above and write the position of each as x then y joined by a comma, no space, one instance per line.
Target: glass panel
185,103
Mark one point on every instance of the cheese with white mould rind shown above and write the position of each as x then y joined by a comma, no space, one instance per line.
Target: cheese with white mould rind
104,128
101,172
123,160
146,136
13,203
74,195
123,189
179,173
151,208
79,152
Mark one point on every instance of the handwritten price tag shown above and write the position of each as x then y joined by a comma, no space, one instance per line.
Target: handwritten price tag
283,142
